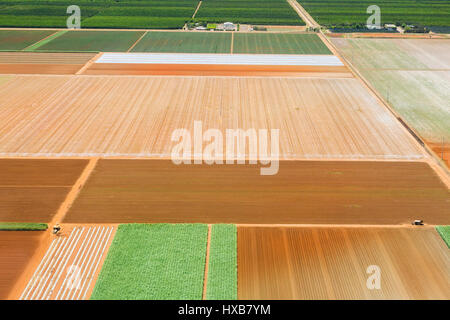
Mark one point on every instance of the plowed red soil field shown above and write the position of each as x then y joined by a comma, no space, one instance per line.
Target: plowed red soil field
212,70
39,68
135,116
32,190
325,192
332,263
42,63
16,249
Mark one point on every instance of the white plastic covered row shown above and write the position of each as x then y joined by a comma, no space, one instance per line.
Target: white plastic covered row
221,59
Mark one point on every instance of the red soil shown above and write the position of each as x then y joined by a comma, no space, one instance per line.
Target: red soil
208,70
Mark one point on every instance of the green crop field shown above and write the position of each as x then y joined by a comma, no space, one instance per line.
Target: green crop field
222,269
350,12
279,43
444,231
20,39
190,42
78,41
263,12
154,261
159,14
411,75
22,226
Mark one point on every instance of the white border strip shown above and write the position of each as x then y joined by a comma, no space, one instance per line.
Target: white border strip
221,59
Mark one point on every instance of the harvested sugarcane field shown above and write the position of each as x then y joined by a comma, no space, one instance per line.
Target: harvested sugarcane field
213,151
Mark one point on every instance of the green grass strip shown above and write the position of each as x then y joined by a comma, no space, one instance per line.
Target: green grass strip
222,268
444,231
45,41
22,226
154,261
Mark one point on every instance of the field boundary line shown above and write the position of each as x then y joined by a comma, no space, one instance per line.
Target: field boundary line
303,14
136,42
196,9
205,277
72,195
406,127
89,63
232,42
43,41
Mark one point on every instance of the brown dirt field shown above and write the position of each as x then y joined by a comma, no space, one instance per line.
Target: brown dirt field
16,249
69,268
30,204
331,263
40,172
39,68
44,58
32,190
207,70
135,116
316,192
42,63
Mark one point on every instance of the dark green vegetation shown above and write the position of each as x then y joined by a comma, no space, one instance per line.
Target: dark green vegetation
105,41
190,42
444,231
20,39
178,42
160,14
22,226
279,43
265,12
154,261
222,269
352,13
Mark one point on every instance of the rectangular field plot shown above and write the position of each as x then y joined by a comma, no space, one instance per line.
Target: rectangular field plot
104,116
279,43
265,12
222,271
93,41
188,42
20,39
348,13
167,14
204,64
324,192
332,263
154,262
413,75
33,190
42,63
78,251
16,250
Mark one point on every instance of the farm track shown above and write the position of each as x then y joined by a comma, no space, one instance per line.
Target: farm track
100,116
331,263
302,192
69,268
310,22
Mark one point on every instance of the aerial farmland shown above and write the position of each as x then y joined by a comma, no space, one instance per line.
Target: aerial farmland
224,150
